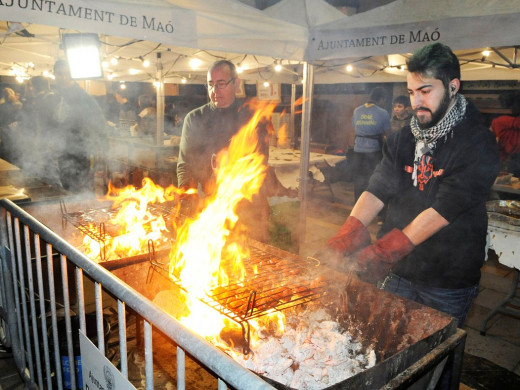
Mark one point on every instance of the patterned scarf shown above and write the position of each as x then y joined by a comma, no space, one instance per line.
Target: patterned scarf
426,139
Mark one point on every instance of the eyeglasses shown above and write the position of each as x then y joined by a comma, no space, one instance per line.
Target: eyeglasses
221,84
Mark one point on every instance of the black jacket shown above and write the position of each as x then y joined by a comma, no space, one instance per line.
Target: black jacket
465,165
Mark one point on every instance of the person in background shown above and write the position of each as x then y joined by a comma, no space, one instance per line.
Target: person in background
37,124
507,132
401,112
209,129
172,121
81,136
10,116
371,123
147,117
120,112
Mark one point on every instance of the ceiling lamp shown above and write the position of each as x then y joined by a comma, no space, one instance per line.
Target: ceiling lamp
82,52
195,63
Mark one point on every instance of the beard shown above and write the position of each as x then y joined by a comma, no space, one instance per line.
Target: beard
436,115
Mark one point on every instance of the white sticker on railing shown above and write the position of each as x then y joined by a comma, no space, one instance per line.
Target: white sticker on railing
98,372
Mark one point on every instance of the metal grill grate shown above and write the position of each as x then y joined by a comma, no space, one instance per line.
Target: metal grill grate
96,222
272,283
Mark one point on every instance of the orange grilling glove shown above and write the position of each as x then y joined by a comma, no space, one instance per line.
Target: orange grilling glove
375,261
351,237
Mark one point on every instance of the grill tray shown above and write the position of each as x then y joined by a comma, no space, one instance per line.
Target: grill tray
504,214
95,222
274,281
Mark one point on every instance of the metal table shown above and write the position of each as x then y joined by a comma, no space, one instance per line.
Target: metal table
504,239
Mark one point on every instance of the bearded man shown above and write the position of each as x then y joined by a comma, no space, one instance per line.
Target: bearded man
435,176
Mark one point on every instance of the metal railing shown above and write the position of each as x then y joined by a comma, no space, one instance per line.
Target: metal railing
44,282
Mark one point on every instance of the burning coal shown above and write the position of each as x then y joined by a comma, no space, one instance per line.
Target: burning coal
311,354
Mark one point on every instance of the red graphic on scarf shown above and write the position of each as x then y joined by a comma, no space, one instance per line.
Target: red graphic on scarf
424,170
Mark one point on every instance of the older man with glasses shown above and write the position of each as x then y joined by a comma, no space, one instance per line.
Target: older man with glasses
209,129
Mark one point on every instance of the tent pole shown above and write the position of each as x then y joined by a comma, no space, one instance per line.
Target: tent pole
160,102
308,71
290,134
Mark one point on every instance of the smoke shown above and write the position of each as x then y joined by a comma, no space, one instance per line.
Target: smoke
57,137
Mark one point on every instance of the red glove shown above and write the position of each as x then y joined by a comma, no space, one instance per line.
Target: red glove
351,237
375,261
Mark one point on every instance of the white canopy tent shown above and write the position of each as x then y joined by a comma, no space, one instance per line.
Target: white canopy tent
401,27
132,30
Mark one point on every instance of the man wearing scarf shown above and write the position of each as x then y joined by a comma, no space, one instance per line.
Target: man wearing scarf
435,177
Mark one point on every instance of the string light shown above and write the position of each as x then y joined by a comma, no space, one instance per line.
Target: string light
183,80
133,71
146,63
277,66
349,68
266,84
114,61
122,85
20,72
240,68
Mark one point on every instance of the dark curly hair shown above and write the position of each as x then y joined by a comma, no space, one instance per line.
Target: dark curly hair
435,60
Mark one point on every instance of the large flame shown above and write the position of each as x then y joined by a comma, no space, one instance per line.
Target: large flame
206,243
130,230
208,250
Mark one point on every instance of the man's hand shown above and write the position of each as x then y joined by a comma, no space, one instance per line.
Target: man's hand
375,261
350,238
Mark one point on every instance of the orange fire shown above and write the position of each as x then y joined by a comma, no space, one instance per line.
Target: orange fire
204,244
128,232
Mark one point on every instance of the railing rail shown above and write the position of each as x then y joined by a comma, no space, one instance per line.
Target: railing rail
29,311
